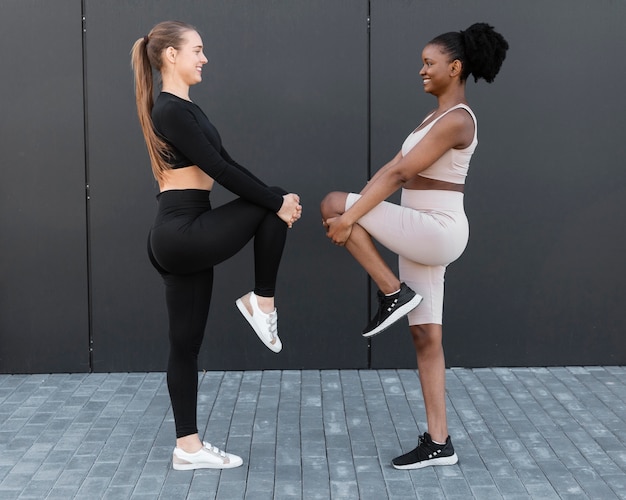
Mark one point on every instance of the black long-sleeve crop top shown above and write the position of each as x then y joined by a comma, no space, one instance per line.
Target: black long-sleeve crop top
194,140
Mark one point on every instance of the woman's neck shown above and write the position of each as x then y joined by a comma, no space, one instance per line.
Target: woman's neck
181,95
450,99
177,88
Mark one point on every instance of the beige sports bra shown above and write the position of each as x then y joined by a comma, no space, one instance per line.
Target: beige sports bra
453,165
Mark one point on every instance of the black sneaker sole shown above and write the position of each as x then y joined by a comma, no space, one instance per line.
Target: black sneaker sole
451,460
395,316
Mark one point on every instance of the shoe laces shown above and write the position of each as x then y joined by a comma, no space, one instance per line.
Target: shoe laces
429,447
420,440
387,302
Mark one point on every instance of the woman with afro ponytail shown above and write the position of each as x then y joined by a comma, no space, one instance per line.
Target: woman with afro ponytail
480,49
429,229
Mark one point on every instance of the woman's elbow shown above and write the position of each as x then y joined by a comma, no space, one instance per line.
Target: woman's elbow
400,176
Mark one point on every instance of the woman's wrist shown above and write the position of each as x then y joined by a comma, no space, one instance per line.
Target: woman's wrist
346,219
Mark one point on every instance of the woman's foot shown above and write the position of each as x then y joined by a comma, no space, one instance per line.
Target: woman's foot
391,308
208,457
427,453
265,325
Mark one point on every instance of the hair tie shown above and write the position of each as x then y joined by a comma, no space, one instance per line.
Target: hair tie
145,40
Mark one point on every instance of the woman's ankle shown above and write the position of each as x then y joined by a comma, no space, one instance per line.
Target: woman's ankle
266,304
190,443
390,286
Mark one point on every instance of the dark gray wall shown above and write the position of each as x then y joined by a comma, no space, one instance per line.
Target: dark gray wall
304,96
43,233
288,105
541,281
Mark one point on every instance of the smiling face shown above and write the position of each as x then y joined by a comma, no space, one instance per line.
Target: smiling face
438,72
188,59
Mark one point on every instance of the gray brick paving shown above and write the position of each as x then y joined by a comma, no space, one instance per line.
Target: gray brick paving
520,433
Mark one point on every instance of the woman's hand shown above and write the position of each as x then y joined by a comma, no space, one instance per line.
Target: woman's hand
338,230
291,210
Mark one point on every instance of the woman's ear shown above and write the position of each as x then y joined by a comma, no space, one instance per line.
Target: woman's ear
455,67
170,54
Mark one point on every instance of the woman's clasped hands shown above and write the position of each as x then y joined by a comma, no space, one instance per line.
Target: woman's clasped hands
337,229
291,210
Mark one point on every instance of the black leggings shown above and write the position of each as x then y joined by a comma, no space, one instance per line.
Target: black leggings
187,239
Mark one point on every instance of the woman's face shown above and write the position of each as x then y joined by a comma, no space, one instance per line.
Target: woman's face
436,71
189,58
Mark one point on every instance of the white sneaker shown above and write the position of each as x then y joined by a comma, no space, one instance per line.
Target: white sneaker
264,325
208,457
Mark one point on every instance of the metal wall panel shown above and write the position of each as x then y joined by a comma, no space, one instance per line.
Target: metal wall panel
541,282
43,265
286,85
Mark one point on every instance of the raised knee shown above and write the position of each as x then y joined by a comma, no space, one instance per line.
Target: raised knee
332,205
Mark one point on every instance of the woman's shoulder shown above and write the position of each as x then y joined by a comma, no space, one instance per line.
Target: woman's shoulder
170,101
464,110
452,117
458,123
169,106
458,116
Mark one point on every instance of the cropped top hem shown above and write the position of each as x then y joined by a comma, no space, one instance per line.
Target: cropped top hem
453,165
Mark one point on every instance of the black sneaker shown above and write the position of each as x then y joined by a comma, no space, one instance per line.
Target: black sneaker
427,453
391,309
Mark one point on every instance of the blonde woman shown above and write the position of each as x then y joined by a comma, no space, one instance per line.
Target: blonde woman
189,237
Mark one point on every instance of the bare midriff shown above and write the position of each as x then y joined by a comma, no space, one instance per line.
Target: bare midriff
186,178
424,183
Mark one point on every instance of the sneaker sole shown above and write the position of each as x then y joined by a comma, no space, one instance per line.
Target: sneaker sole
451,460
231,465
244,312
395,316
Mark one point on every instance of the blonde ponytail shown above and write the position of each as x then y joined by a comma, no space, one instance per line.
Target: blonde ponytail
145,54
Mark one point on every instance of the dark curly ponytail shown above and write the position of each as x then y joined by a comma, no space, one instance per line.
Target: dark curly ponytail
480,49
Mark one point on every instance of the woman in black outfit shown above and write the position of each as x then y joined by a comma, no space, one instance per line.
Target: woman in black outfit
188,237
